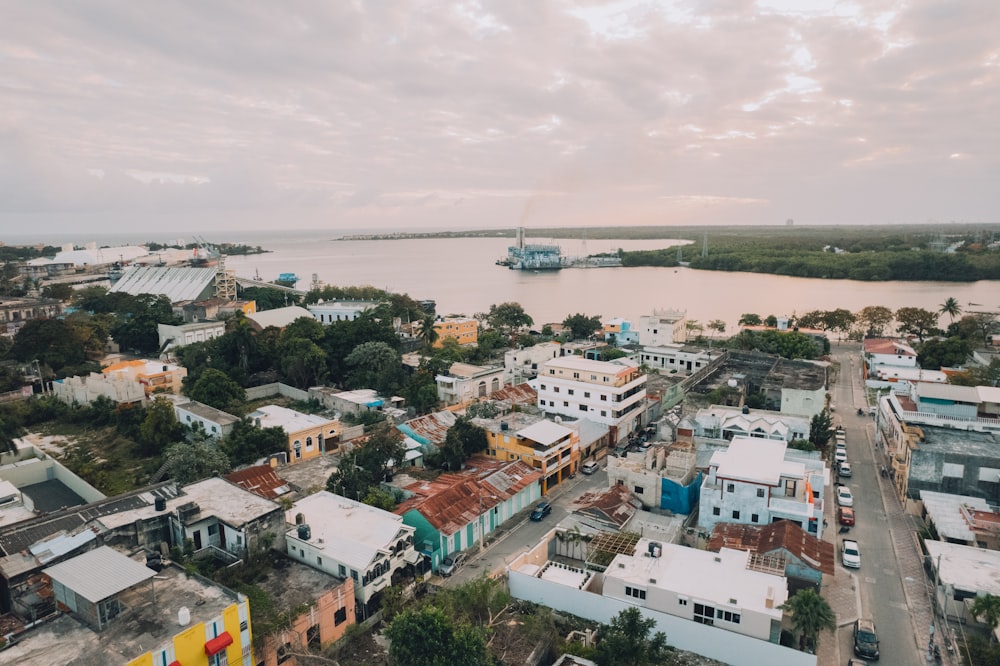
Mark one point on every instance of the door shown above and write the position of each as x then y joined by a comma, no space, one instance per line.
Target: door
197,539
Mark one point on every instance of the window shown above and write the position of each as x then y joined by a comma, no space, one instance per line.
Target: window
309,443
340,616
604,412
213,530
583,408
716,511
541,402
570,391
542,386
555,389
576,375
354,575
635,592
760,492
586,394
682,601
604,397
637,490
727,616
342,570
730,487
754,518
283,653
565,404
704,614
736,515
319,560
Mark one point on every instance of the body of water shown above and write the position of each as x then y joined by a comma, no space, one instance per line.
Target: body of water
461,275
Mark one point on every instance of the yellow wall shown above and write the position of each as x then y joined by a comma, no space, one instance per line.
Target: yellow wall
528,455
189,645
464,331
314,432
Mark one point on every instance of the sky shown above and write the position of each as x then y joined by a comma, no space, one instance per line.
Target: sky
235,115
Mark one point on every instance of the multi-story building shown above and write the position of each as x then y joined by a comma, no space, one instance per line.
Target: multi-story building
661,477
309,436
546,446
724,423
759,481
349,539
15,312
522,364
889,352
609,392
153,376
172,337
620,331
465,382
327,312
663,327
464,330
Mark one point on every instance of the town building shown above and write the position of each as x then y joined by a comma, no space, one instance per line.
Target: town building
887,353
523,363
260,480
663,327
962,573
620,332
662,477
457,510
463,330
173,337
612,393
722,423
176,283
278,317
198,416
464,382
83,390
357,402
782,546
212,309
16,312
309,436
549,447
759,481
327,312
969,521
153,376
429,430
349,539
684,359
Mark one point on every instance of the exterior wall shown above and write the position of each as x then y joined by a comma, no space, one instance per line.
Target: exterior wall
164,378
84,390
210,427
329,617
188,646
464,331
187,334
899,360
456,390
35,470
522,364
555,464
949,408
658,330
14,312
675,359
276,388
327,313
713,642
720,505
613,401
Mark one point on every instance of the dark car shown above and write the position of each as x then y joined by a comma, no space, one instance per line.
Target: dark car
865,639
543,509
845,516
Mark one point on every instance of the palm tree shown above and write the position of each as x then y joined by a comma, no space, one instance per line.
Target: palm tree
987,609
428,334
951,308
811,614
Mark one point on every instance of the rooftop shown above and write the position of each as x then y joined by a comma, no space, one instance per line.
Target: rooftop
467,370
784,534
289,420
888,346
966,568
279,317
545,432
615,367
207,412
756,460
954,392
260,480
945,511
430,428
177,284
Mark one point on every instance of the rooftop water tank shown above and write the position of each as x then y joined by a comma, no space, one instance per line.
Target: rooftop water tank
184,616
305,533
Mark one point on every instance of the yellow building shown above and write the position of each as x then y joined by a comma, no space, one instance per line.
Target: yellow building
549,447
154,376
463,330
225,639
309,435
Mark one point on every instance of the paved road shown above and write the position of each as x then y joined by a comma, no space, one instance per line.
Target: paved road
882,596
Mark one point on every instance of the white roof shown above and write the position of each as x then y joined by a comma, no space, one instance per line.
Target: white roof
289,420
279,317
757,460
948,392
177,284
989,393
590,365
945,511
719,578
99,574
967,568
349,531
545,432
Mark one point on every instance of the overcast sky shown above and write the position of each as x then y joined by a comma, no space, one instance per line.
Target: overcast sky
209,116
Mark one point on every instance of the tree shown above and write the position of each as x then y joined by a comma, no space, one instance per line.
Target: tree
948,353
811,614
190,461
216,389
750,319
136,321
693,327
60,291
812,319
839,320
582,326
380,499
247,442
464,438
626,641
874,319
303,362
986,609
160,427
350,479
916,321
374,365
53,342
819,428
718,326
508,318
366,467
427,333
441,641
951,308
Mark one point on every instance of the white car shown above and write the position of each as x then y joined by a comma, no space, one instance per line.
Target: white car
850,554
844,496
844,469
840,455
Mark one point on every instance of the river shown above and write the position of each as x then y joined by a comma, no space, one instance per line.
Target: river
460,274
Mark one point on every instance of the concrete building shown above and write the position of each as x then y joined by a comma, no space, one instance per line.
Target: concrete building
16,312
465,382
196,415
357,401
661,477
758,481
212,309
327,312
522,364
684,359
782,546
620,331
348,539
663,327
549,447
612,393
278,317
463,330
887,352
120,389
309,436
962,574
969,521
720,422
177,284
153,376
172,337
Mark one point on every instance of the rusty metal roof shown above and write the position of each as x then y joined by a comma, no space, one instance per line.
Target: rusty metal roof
521,394
782,535
612,506
430,428
453,500
261,480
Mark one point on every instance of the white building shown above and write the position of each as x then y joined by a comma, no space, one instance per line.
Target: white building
330,311
726,423
758,481
84,390
213,422
522,364
172,337
347,538
663,327
677,358
465,382
888,351
612,393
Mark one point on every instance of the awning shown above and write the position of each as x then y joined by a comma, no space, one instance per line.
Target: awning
218,644
174,663
411,557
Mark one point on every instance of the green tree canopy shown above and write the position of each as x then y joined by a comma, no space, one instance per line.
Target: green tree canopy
136,321
302,362
819,428
811,614
247,443
464,438
874,319
916,321
508,318
216,389
948,353
750,319
582,326
951,307
627,641
374,365
428,637
191,461
986,609
159,428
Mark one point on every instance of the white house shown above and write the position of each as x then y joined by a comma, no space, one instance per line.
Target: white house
612,393
84,390
677,358
663,327
523,364
327,312
465,382
213,422
347,538
172,337
888,351
722,422
758,481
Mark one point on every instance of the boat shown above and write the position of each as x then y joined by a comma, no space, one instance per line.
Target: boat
531,257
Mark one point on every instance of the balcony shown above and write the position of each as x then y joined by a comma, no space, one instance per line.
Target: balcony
795,507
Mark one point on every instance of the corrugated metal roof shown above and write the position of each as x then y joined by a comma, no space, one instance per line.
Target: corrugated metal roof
766,539
521,394
279,317
177,284
612,506
261,480
99,574
429,429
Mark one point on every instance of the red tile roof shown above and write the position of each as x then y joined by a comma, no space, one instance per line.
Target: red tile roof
887,346
765,539
260,480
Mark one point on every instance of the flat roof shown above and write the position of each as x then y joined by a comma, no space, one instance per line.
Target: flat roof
948,392
279,317
349,531
755,459
207,412
99,573
721,578
966,568
289,420
589,365
545,432
945,510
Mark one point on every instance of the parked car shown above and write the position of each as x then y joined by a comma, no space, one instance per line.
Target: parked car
844,469
845,516
850,555
449,564
853,661
844,496
590,467
543,509
865,639
840,455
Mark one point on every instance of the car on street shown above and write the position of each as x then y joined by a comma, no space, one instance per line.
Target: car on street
541,510
844,496
850,555
840,455
590,467
449,564
845,516
844,469
865,639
